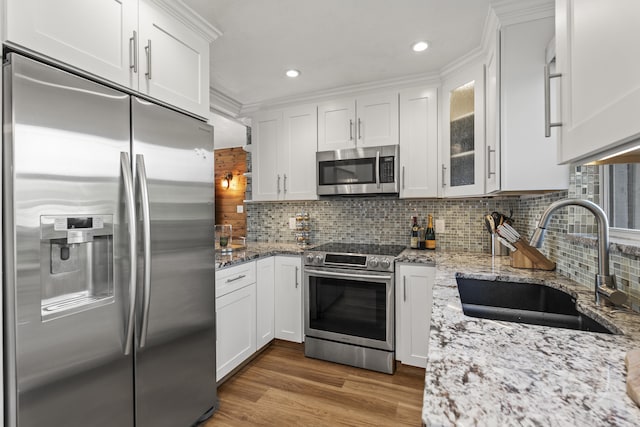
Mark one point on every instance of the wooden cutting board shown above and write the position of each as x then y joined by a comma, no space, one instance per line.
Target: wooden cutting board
633,374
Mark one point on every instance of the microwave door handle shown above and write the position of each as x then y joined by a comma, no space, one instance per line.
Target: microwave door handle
378,169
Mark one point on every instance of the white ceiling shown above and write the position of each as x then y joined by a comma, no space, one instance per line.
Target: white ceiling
334,43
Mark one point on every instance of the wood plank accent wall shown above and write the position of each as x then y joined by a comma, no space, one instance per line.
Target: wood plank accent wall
232,160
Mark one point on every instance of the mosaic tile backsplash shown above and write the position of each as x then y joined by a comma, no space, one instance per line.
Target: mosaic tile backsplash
387,220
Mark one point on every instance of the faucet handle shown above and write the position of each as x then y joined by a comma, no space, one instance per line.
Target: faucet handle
606,286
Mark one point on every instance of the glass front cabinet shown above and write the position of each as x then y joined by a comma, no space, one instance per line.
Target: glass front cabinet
463,152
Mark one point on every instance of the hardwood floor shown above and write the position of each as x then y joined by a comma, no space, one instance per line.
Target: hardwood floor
281,387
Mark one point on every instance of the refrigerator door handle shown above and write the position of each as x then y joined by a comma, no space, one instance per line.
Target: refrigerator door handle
146,235
130,205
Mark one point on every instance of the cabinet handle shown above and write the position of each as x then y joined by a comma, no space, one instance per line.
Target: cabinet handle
489,151
147,50
285,184
403,182
378,169
547,101
242,276
444,168
278,189
404,288
133,52
359,128
350,130
296,273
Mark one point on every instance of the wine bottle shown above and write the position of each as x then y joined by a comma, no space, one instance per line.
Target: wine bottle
430,234
414,232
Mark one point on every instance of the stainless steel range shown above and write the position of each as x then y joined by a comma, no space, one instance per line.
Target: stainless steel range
349,304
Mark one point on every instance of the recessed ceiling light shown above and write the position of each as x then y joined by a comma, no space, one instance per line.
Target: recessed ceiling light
293,73
420,46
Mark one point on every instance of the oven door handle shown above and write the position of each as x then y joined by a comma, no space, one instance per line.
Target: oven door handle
349,275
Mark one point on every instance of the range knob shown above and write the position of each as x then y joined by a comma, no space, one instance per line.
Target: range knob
319,259
385,263
309,258
373,262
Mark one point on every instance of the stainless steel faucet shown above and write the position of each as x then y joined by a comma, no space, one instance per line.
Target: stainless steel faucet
605,282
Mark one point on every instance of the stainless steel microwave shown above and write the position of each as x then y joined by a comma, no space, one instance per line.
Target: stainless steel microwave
367,170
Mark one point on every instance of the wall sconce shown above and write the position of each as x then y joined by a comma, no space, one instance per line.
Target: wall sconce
226,180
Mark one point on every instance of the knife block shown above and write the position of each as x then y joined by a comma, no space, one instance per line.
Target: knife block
529,257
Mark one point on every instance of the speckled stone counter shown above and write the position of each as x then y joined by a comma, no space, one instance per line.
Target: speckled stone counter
256,250
489,373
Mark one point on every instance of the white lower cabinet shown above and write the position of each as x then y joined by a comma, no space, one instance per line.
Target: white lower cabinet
265,302
288,298
235,329
414,300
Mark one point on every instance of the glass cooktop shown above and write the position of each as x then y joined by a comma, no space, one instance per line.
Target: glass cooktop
360,248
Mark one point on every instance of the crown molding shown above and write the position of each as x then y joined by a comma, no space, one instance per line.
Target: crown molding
423,79
187,16
222,103
511,12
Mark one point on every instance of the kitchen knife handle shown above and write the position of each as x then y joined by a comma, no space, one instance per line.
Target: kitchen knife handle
133,52
146,235
147,49
404,288
547,101
130,205
350,130
489,151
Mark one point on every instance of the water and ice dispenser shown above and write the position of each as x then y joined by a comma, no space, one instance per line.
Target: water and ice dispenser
76,263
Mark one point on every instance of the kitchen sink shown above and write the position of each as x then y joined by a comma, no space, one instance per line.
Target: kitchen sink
523,303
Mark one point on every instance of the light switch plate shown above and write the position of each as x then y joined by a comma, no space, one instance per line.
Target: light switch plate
292,223
239,208
439,225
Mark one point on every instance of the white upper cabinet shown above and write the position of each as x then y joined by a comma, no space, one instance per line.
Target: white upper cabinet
519,157
419,142
462,155
596,45
174,61
284,156
367,121
138,44
94,36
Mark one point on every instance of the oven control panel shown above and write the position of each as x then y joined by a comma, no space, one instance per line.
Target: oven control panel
360,262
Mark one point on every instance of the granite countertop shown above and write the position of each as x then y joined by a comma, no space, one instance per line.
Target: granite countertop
256,250
484,372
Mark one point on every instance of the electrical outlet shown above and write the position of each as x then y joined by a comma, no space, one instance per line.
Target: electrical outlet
439,225
239,208
292,223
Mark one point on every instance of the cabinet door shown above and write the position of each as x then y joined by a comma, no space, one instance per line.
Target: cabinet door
93,36
267,131
414,300
463,151
235,329
265,290
419,143
600,75
336,125
297,153
288,300
492,177
174,61
377,121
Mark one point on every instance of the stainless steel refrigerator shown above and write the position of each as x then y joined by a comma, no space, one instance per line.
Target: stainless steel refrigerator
108,225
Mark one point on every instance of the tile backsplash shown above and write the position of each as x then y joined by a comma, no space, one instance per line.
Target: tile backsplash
387,220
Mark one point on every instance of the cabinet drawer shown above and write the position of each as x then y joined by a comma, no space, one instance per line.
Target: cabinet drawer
236,277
